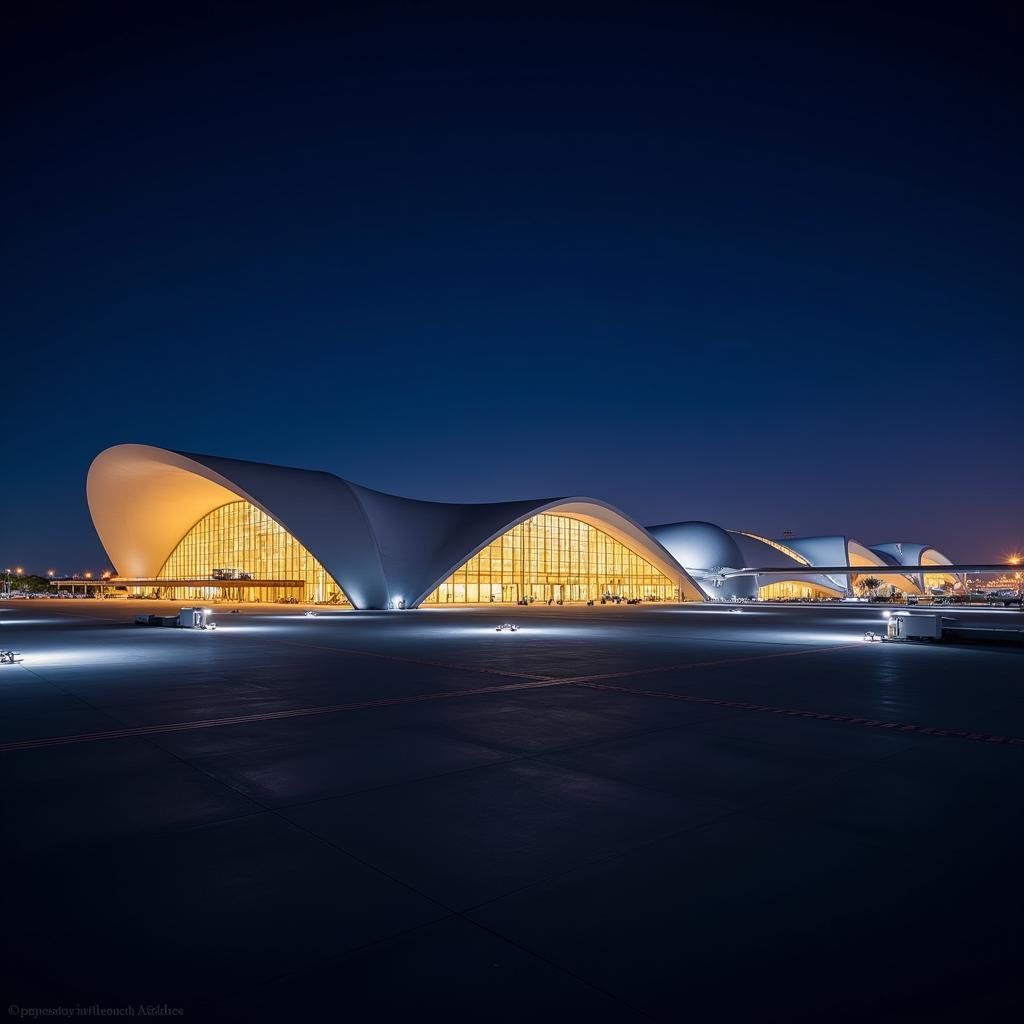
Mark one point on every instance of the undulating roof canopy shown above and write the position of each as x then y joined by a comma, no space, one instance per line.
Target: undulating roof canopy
380,548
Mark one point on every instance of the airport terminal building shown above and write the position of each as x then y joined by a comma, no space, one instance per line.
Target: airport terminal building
183,526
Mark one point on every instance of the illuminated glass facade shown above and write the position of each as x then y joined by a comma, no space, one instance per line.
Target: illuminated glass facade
790,591
239,538
938,580
554,558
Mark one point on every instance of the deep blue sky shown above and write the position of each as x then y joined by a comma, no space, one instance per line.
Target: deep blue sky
704,261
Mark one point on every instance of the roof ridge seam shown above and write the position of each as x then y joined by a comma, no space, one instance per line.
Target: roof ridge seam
353,490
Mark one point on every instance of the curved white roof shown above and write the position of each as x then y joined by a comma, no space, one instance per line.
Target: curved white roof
913,553
378,547
762,552
841,550
704,549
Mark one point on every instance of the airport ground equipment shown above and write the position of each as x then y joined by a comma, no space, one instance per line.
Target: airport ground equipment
905,626
187,618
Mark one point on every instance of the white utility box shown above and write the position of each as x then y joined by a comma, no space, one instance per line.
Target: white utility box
195,618
904,626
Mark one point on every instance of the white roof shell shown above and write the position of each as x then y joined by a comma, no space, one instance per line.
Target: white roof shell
380,548
840,550
762,553
912,553
704,549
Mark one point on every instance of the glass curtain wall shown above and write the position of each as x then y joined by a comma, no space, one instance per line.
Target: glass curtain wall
237,539
551,558
792,591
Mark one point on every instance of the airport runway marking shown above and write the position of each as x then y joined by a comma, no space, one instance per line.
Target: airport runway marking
268,716
566,680
593,681
687,666
743,705
486,670
532,683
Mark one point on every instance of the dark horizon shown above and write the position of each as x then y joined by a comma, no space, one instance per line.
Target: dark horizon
702,263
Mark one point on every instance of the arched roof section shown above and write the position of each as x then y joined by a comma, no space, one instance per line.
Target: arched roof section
698,545
823,551
144,499
907,582
764,553
841,550
773,545
913,553
459,532
820,550
703,549
861,554
378,547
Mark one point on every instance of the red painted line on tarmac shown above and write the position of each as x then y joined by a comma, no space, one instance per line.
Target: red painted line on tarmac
743,705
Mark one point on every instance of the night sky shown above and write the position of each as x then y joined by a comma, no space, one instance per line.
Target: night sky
757,264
